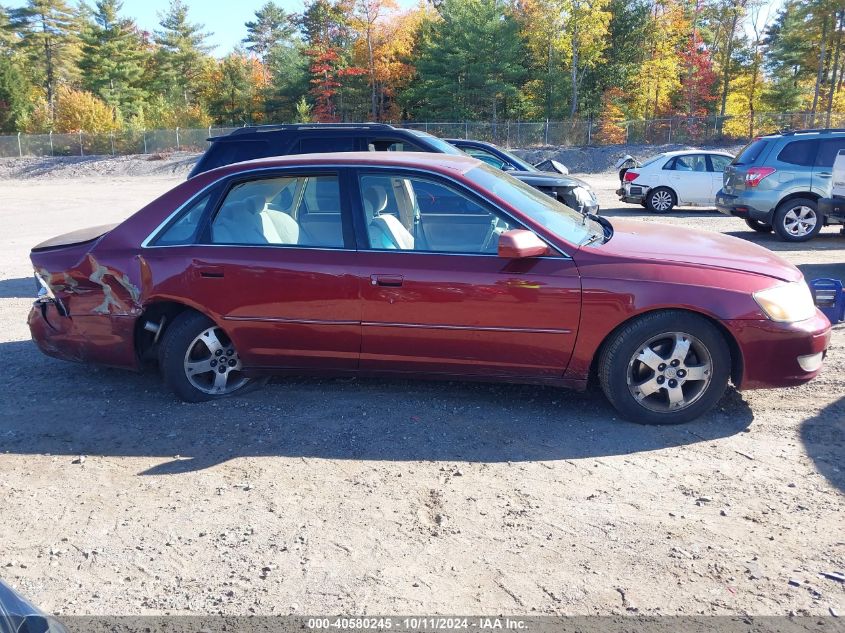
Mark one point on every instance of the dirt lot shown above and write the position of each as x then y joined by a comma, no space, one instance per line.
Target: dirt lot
363,496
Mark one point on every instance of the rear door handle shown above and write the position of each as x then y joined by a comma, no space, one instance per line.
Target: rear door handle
391,281
213,272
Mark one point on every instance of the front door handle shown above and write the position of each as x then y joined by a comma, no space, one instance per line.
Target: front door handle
391,281
213,272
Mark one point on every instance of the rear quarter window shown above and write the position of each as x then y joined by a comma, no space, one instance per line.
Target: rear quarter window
751,152
228,152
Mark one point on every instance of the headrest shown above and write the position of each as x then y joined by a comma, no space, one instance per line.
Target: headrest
375,200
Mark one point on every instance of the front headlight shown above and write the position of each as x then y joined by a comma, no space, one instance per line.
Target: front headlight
584,197
787,302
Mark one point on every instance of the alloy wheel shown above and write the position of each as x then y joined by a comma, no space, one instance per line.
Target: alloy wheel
669,372
661,200
212,364
800,221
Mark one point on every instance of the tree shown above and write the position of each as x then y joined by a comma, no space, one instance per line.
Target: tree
47,37
112,59
328,38
81,110
366,22
566,34
469,63
271,29
234,89
13,95
611,126
181,55
699,79
727,18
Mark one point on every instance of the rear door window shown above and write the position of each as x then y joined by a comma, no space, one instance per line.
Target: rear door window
718,163
828,149
751,152
801,153
319,145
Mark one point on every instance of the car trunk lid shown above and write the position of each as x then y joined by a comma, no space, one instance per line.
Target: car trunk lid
80,236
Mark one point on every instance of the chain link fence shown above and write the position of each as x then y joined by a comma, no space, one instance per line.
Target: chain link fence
519,134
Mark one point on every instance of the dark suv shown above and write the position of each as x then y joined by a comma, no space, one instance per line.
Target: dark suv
262,141
777,180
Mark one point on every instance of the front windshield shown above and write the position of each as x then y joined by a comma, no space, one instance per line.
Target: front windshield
441,145
516,160
564,222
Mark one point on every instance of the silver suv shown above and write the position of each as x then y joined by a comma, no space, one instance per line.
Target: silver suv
776,182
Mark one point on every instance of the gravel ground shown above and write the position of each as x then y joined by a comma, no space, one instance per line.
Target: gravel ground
366,496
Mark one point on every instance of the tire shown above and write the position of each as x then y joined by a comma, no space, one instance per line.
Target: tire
757,225
661,200
192,343
625,378
797,220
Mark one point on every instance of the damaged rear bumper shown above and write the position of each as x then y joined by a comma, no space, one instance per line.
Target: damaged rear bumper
104,339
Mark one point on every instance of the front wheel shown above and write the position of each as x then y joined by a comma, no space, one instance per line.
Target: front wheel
199,361
797,220
665,368
660,200
757,225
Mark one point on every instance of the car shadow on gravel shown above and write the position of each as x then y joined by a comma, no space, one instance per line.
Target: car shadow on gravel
20,288
823,437
58,408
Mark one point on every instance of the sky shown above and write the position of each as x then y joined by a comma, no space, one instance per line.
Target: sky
224,21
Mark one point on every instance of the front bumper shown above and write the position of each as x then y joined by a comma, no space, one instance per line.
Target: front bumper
780,354
101,339
833,209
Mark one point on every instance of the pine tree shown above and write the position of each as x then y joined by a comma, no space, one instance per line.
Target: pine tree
272,28
13,95
470,63
112,60
47,31
181,54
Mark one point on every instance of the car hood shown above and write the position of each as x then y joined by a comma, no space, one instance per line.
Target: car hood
661,242
548,179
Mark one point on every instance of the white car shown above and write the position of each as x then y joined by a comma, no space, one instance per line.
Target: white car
687,178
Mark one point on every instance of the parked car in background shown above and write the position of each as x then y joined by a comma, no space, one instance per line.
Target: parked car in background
494,155
427,265
833,207
573,192
777,180
685,178
248,143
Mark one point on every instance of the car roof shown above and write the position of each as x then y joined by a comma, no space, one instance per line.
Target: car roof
692,150
428,160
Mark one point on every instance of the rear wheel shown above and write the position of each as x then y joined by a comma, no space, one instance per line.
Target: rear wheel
199,361
757,225
660,200
797,220
665,368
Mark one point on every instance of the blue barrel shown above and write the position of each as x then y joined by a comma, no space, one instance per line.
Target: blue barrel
830,298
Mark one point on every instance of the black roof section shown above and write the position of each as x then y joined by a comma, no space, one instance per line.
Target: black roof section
301,127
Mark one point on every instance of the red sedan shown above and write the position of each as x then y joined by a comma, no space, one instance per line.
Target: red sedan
426,265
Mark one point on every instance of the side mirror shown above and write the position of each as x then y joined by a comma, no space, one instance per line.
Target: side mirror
519,243
507,167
